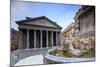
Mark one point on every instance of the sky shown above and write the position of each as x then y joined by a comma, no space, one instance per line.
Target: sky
62,14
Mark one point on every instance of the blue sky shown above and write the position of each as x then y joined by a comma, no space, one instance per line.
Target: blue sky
62,14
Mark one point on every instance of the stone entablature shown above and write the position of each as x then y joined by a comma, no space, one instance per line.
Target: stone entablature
38,27
82,10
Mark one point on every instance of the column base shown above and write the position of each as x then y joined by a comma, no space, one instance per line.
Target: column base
47,47
41,47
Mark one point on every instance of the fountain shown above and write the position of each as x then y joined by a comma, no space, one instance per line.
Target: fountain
72,50
67,53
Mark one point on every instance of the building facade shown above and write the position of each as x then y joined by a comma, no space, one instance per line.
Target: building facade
71,30
85,17
39,32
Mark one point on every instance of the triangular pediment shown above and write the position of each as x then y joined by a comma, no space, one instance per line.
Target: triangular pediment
43,21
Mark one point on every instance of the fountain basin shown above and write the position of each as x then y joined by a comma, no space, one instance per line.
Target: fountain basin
49,58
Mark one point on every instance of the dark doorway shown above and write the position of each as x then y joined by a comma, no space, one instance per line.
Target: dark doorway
31,39
44,38
49,39
54,38
37,38
24,38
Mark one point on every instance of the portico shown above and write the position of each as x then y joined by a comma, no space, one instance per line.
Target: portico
38,32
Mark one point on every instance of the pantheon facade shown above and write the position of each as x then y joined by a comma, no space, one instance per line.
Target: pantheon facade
39,32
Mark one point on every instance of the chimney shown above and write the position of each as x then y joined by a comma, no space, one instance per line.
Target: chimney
28,18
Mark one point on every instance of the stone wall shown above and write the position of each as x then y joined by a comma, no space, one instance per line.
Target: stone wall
14,39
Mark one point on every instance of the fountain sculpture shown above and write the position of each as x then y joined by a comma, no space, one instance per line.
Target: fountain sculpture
71,49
